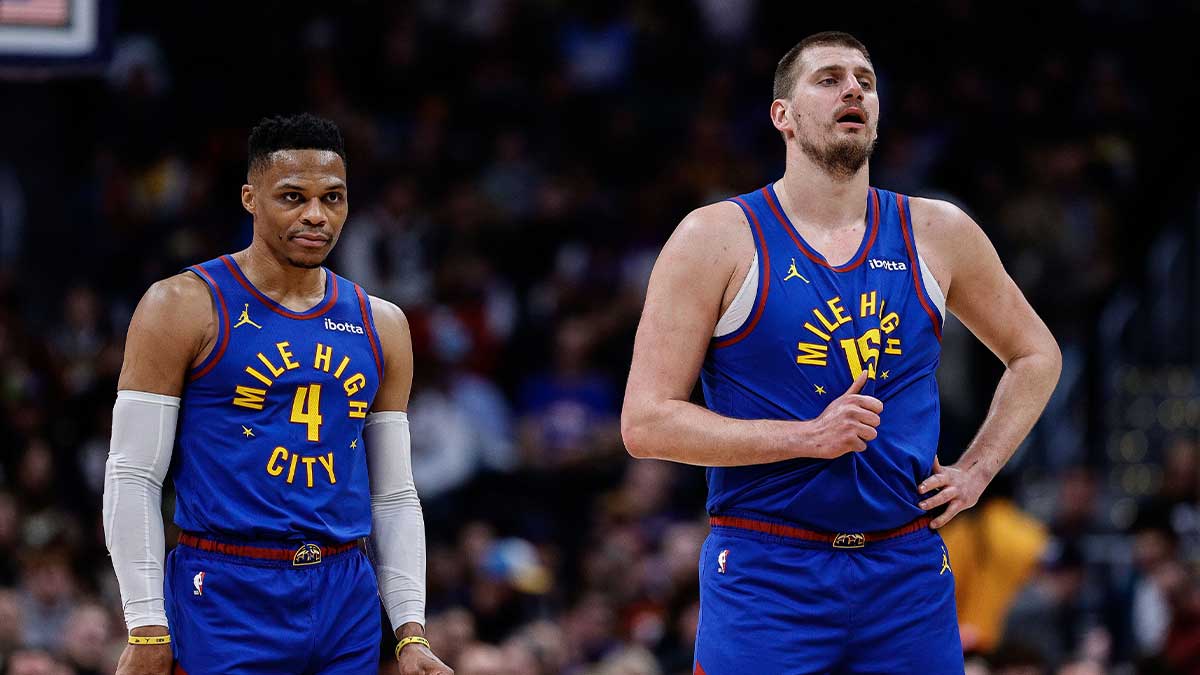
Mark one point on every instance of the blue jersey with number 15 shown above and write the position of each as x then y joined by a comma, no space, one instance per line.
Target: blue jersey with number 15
814,329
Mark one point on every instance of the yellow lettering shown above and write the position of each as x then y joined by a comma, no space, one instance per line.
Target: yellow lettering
867,304
249,397
356,382
839,312
306,410
863,351
273,468
358,409
286,356
816,331
893,346
889,322
308,465
812,354
328,467
292,470
276,371
324,355
829,326
259,376
341,366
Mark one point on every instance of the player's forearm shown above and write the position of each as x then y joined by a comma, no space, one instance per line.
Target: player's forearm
684,432
143,436
1020,397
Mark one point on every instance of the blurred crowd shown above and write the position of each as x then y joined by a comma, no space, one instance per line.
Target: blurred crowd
514,168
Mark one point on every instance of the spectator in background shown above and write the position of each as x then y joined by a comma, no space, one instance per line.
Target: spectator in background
568,413
994,549
387,248
1053,614
35,662
47,597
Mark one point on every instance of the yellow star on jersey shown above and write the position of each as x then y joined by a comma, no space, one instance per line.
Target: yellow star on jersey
820,390
884,374
354,444
247,431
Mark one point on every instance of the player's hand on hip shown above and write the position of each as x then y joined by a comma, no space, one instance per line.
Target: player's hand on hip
847,424
145,660
959,489
417,659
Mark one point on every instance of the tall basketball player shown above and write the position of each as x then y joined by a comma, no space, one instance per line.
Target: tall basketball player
811,310
277,389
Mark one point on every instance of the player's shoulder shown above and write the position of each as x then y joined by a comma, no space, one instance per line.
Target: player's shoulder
939,218
183,294
390,320
722,218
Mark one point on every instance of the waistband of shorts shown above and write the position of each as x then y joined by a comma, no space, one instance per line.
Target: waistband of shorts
293,555
844,540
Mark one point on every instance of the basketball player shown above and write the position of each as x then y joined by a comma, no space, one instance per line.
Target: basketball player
278,388
812,310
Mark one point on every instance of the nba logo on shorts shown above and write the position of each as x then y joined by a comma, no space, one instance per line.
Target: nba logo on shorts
721,560
198,582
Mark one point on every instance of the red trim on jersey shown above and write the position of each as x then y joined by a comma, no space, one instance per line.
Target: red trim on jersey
811,255
178,670
699,669
223,338
808,535
257,552
915,265
764,274
274,306
370,328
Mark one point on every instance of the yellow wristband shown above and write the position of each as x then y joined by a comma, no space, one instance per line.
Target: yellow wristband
412,639
150,640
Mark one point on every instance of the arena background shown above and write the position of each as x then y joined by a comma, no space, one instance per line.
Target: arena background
514,169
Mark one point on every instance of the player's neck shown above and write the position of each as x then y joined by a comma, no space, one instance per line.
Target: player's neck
810,195
293,287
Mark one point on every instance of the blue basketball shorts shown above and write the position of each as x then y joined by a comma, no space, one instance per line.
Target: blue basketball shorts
237,614
779,605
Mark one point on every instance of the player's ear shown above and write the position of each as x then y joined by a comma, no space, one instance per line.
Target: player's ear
248,197
780,117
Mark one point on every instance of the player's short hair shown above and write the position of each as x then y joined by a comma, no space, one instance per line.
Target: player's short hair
785,72
303,131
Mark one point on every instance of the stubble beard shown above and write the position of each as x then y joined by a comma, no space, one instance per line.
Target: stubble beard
841,159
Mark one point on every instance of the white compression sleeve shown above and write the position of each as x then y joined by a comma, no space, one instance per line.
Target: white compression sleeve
143,437
398,527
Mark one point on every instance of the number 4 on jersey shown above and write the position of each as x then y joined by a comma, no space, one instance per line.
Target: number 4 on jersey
306,409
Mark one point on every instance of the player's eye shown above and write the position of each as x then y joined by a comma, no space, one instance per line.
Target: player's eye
333,197
865,84
828,80
293,197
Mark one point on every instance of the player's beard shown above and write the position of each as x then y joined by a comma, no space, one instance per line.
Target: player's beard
303,264
840,158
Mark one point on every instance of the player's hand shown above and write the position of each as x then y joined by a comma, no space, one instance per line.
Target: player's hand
960,490
417,659
145,660
847,424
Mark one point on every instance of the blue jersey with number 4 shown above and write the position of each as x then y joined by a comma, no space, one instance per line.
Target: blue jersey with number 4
814,328
269,445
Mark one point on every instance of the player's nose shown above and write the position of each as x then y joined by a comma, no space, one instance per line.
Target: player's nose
853,90
313,214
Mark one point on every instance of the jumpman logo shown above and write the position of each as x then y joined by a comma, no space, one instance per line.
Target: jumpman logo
794,273
945,562
245,318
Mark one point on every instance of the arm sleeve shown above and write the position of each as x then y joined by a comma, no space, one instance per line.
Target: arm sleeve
143,437
398,527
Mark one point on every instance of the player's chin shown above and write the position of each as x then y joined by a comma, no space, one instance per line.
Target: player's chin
308,259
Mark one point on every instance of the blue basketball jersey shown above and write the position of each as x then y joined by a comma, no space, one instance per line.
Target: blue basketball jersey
813,330
270,444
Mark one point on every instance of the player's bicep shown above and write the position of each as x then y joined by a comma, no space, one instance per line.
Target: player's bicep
682,306
166,334
396,339
987,300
